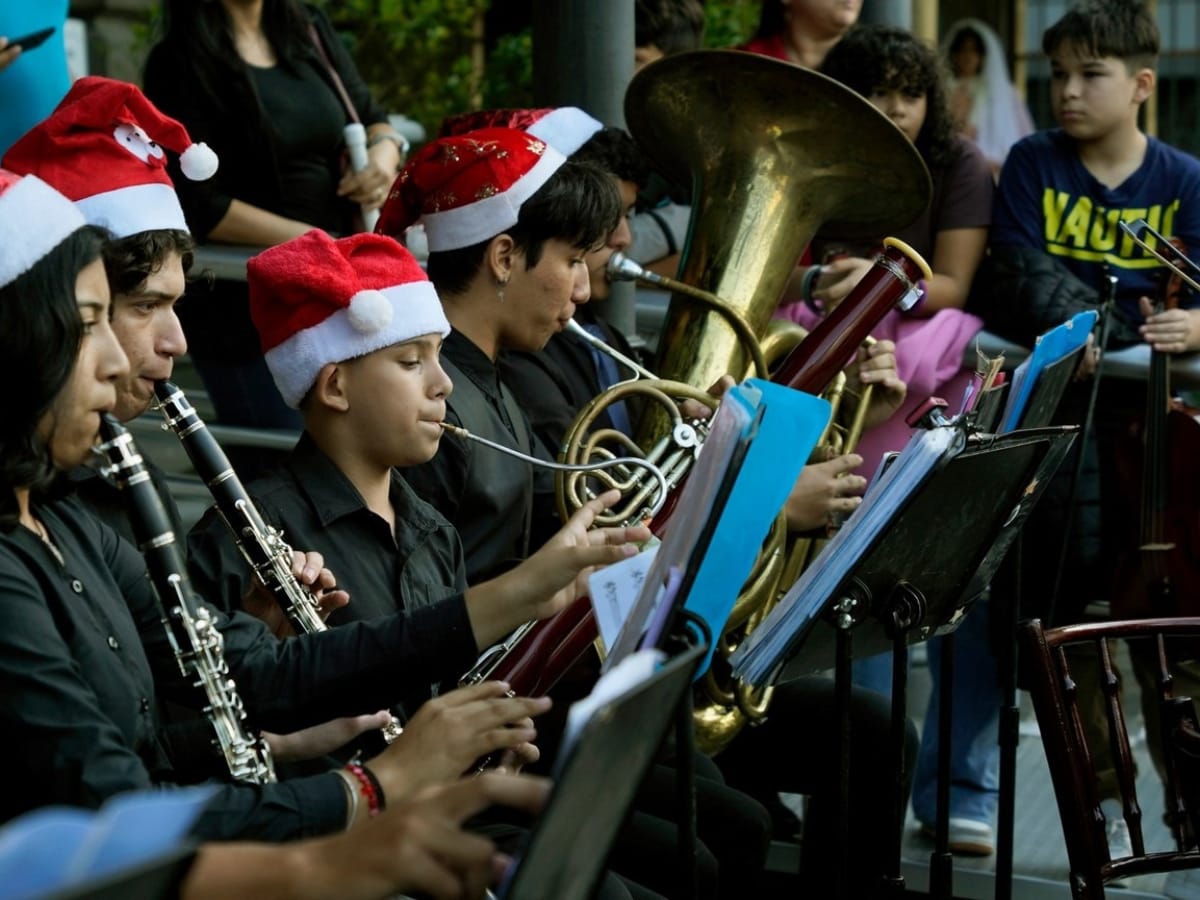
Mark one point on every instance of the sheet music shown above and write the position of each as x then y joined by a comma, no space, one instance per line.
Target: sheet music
614,590
766,433
632,671
1058,342
768,646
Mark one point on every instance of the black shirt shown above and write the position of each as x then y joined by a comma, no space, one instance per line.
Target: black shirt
317,507
83,653
501,506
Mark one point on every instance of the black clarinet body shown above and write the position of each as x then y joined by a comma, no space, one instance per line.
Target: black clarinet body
191,630
261,545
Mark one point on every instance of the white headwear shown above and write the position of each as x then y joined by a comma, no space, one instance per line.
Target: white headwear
998,114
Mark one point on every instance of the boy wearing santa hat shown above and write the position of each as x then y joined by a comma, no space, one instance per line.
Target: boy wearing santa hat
509,223
351,330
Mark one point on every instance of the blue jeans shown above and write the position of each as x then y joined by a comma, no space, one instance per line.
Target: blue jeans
975,721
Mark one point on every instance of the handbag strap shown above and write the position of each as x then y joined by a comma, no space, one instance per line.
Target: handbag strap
333,73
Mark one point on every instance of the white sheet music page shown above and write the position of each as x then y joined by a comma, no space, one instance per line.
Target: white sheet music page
772,641
632,671
614,591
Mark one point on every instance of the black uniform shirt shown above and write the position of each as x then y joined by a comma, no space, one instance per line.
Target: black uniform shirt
318,508
83,651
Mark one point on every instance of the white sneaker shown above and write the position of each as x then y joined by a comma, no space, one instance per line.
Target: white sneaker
967,837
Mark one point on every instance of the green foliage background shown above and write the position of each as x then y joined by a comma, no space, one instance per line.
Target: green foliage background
426,58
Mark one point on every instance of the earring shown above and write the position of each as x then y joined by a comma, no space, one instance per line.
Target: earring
503,284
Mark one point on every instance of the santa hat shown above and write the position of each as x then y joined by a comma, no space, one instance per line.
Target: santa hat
102,147
565,128
468,188
316,300
34,219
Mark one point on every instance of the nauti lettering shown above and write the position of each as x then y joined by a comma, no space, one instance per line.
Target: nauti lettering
1078,228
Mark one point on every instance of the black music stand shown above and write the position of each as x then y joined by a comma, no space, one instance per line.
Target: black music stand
621,737
919,579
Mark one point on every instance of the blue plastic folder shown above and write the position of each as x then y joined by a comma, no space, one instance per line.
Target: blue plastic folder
1057,343
774,430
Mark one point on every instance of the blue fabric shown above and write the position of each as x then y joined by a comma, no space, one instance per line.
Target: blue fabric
975,721
608,375
33,85
1047,200
58,847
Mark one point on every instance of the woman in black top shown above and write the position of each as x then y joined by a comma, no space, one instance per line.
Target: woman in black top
249,79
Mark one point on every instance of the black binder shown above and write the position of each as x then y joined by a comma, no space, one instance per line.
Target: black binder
595,783
944,547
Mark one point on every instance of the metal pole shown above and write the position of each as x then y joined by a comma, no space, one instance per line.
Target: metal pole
583,56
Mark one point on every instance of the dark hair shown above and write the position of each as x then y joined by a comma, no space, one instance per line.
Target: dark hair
579,204
199,30
964,34
880,57
771,19
1121,28
40,331
616,152
672,26
129,261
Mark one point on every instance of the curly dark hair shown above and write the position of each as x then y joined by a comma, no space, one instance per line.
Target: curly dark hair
40,331
874,58
129,261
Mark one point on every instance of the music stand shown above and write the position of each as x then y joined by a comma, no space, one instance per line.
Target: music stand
620,738
919,578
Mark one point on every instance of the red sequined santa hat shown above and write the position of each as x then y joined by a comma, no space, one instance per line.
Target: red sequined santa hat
565,128
103,147
34,219
468,188
316,300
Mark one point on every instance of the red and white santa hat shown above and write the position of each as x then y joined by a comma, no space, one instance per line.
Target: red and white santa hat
565,128
316,300
34,219
103,147
468,188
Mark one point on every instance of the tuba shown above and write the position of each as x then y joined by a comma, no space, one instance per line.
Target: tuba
774,153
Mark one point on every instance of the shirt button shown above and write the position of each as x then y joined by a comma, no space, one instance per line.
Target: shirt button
114,643
145,704
77,586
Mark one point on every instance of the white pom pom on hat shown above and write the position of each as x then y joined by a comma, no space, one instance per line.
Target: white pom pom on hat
369,311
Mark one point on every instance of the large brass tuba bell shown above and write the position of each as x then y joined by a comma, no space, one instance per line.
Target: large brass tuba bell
774,153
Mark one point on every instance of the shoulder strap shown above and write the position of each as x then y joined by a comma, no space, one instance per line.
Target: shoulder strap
315,35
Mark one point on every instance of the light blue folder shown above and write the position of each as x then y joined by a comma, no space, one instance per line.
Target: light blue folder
1060,341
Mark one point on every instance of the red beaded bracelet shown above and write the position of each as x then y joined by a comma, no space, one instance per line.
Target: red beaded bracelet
369,787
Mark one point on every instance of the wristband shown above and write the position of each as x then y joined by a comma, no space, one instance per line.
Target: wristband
807,281
351,785
368,785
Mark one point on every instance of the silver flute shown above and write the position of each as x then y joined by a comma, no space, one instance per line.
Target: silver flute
193,636
261,545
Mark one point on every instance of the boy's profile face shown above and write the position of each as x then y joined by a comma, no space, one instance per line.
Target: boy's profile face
620,239
396,399
540,301
1093,97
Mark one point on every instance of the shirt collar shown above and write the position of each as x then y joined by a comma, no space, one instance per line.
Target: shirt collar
333,496
473,362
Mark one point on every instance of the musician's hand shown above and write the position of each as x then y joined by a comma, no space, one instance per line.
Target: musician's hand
451,731
309,569
322,739
1089,361
837,279
876,365
1170,331
825,490
416,847
513,759
695,409
558,572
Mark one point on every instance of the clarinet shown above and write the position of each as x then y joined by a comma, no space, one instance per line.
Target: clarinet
262,546
191,631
